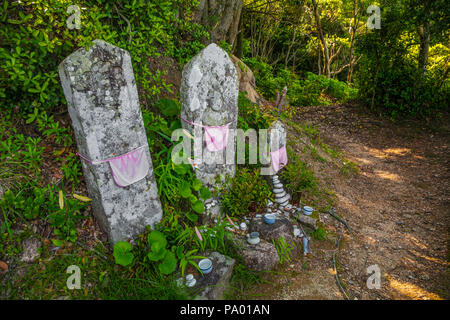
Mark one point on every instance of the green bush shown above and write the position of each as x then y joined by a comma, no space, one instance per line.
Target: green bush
301,92
247,191
35,39
388,77
297,174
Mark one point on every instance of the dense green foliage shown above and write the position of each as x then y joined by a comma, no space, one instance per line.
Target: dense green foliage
246,192
321,50
389,76
310,90
35,39
309,45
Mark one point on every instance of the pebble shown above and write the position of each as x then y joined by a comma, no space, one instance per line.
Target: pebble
278,190
280,195
190,280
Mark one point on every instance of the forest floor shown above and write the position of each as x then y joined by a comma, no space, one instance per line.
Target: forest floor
395,198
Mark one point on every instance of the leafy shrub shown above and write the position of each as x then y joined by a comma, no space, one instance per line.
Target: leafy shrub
301,92
297,174
247,191
251,116
35,39
388,79
33,202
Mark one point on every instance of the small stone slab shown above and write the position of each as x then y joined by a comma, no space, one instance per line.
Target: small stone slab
259,257
214,284
308,221
30,250
282,227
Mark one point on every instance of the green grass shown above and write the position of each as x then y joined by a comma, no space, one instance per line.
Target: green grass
101,278
348,168
242,281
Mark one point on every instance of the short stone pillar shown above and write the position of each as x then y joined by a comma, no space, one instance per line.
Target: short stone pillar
103,104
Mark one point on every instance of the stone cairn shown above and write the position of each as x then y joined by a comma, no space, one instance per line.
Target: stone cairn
103,104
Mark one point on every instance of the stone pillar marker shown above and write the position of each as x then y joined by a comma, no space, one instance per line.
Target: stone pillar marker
103,104
209,97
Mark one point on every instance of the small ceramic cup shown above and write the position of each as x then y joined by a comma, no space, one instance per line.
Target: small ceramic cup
307,210
269,218
253,238
205,265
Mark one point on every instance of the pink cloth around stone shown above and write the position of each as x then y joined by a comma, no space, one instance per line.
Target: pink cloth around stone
216,137
127,168
279,159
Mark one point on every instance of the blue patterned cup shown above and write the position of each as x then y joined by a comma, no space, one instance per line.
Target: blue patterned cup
269,218
307,210
205,265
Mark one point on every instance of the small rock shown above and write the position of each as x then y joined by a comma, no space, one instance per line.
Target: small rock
308,221
216,282
30,250
261,257
280,195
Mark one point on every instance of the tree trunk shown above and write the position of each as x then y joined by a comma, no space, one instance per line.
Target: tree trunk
424,35
221,17
353,27
325,51
238,48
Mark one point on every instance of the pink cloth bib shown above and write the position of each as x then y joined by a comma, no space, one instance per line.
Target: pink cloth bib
279,159
216,137
127,168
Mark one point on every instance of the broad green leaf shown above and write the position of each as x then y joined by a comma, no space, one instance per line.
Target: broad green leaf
158,252
122,253
180,169
193,198
198,206
169,263
157,236
196,184
185,189
57,242
180,252
205,193
192,217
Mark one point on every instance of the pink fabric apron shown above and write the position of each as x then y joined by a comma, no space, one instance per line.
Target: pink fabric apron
127,168
216,137
279,159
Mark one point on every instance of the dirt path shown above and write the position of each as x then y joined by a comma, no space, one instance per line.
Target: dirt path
397,204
